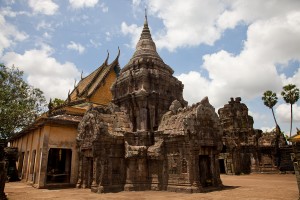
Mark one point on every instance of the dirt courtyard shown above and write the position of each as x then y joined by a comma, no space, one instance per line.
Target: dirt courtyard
254,186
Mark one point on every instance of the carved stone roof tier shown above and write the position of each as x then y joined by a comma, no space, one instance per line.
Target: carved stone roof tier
199,120
146,86
146,51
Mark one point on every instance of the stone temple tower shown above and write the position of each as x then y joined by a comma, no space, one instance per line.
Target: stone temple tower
146,87
148,138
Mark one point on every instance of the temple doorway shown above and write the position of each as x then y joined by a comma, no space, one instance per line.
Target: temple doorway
205,171
59,165
222,166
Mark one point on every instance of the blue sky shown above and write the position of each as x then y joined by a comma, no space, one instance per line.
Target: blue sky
217,48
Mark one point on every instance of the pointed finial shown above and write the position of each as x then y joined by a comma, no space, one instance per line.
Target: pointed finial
118,52
77,91
106,60
75,83
81,75
146,20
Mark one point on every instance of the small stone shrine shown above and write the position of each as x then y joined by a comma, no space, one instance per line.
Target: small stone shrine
246,149
239,139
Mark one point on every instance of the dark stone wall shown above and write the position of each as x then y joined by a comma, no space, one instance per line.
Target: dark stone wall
3,170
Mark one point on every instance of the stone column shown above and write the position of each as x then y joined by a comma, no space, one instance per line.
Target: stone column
79,181
84,172
194,174
100,185
129,174
94,187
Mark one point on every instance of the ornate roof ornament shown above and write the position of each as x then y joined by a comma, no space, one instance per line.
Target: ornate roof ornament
146,47
106,60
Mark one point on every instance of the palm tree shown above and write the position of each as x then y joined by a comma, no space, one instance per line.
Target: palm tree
270,100
290,95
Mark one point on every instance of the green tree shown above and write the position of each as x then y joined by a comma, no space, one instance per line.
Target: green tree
290,95
270,99
20,103
57,102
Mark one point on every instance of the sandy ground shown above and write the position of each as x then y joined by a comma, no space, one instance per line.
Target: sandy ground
254,186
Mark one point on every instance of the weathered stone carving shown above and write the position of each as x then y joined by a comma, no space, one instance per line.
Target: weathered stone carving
148,138
239,153
146,87
246,149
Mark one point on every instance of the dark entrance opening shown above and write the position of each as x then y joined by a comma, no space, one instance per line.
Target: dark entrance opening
59,165
205,171
20,165
222,166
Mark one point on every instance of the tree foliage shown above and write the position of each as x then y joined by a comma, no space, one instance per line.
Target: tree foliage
290,95
57,102
270,99
20,103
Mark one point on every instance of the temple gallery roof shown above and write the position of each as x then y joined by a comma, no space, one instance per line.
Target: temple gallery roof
88,85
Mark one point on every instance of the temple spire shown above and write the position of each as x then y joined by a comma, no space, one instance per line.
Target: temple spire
146,19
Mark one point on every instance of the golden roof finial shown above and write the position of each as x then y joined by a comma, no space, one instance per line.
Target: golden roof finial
106,60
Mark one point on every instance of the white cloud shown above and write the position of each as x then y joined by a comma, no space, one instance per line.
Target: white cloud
133,30
136,3
283,111
295,79
9,34
46,35
104,7
194,79
7,11
76,46
44,25
270,41
44,72
83,3
108,36
46,7
194,23
94,43
267,129
187,24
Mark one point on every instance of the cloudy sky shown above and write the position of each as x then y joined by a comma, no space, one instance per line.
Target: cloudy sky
217,48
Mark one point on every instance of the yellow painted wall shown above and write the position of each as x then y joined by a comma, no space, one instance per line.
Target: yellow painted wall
27,144
41,140
103,94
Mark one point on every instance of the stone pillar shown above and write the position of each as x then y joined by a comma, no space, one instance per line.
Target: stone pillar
194,174
101,171
84,172
130,175
79,181
94,186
